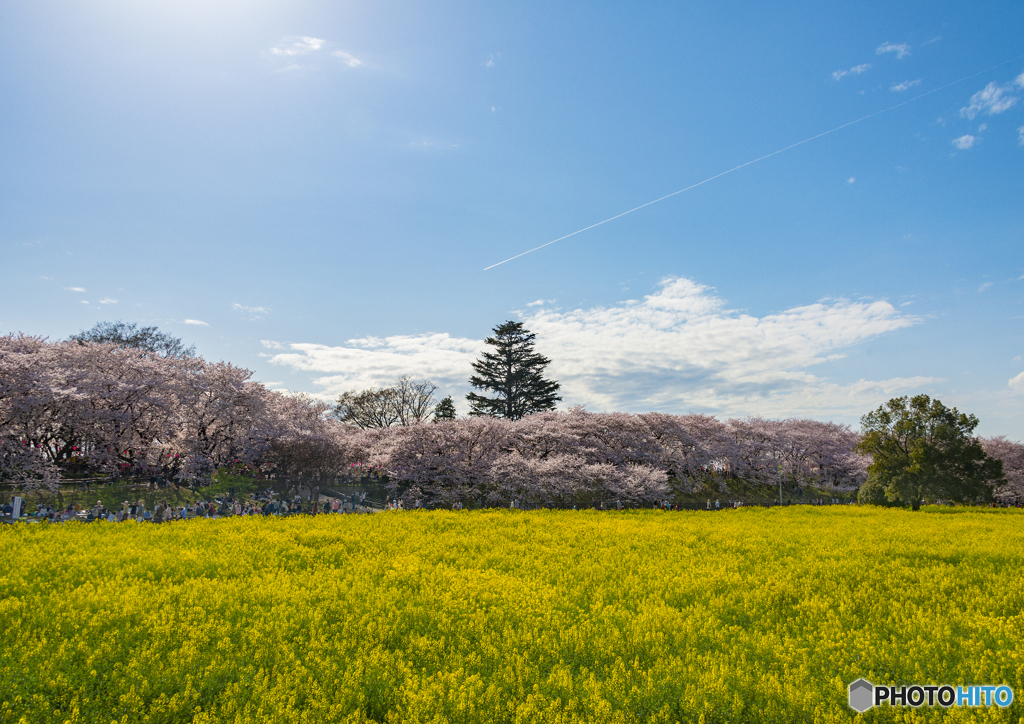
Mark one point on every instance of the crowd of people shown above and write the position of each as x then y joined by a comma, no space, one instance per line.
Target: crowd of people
166,512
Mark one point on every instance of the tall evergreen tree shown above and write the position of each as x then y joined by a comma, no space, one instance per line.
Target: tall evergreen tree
445,409
513,372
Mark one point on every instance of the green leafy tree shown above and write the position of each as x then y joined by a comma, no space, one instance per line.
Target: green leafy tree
514,374
445,409
132,336
922,450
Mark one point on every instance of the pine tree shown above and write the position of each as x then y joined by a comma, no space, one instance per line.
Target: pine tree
445,410
514,373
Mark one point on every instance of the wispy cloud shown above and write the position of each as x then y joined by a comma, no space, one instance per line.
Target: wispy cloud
985,286
851,180
991,99
256,311
905,85
492,61
540,302
197,322
301,51
271,344
1021,132
855,70
1017,383
296,45
675,350
75,289
964,142
901,49
347,58
108,300
433,144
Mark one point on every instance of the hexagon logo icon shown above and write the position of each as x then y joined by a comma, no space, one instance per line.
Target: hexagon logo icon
861,695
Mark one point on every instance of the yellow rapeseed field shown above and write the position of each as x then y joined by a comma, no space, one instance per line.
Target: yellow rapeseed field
747,615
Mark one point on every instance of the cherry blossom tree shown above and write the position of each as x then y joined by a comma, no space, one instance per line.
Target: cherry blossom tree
1012,455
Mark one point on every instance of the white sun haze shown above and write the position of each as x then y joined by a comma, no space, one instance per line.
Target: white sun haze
677,349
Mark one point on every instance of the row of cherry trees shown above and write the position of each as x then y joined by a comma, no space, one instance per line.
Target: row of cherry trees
68,406
560,458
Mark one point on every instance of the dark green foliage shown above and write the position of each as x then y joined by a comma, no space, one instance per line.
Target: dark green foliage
872,492
131,336
922,450
514,373
445,410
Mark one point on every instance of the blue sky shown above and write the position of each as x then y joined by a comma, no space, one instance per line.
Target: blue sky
313,190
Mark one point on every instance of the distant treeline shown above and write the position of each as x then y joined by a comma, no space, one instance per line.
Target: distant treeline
103,408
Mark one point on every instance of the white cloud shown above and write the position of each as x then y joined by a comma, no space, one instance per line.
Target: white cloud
197,322
1017,383
851,180
271,344
905,85
1019,80
347,58
256,311
991,99
1021,132
302,51
964,142
108,300
901,49
855,70
374,361
540,302
675,350
74,289
83,302
297,45
492,60
985,286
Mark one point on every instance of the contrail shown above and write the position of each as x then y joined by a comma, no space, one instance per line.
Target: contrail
762,158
